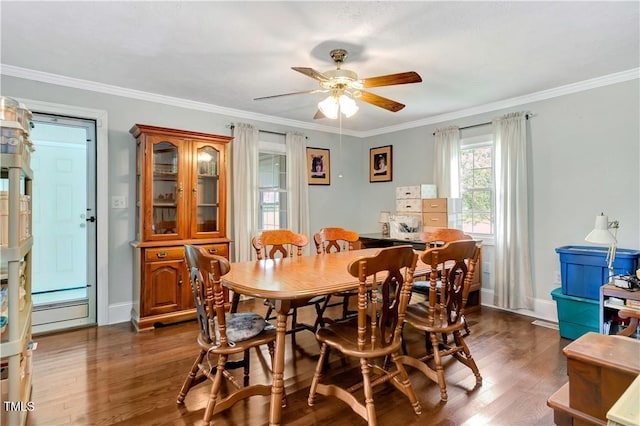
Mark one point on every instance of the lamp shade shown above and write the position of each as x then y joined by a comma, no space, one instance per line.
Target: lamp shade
335,103
347,106
384,217
600,233
329,107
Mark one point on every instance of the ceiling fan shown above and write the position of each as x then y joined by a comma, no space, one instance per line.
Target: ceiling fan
344,86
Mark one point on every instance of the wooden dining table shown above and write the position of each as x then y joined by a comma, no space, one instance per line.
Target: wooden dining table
284,280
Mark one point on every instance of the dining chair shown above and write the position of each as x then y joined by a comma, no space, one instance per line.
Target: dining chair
452,267
272,244
331,240
434,237
384,287
221,334
634,319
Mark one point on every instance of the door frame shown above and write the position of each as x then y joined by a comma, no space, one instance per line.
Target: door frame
102,193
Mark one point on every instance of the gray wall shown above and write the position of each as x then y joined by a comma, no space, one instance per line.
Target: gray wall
585,151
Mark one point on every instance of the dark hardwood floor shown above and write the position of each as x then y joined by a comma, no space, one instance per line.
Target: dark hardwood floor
112,376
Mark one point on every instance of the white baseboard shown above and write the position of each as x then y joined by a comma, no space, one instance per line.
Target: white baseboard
542,309
119,312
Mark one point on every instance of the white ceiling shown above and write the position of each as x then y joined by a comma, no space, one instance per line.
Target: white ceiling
224,54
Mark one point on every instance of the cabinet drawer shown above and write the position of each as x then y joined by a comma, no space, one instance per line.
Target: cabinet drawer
408,205
164,253
436,205
435,219
217,249
403,192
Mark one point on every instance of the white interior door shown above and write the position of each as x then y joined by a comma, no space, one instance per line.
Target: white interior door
64,230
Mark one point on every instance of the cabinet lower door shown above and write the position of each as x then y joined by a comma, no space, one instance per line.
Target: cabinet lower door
166,288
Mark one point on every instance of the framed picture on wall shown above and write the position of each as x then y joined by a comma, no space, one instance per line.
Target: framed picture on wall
380,164
318,166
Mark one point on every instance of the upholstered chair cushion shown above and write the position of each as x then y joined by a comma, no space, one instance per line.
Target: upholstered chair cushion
242,326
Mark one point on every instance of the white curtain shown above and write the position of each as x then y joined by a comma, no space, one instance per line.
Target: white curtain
245,189
446,154
513,284
298,188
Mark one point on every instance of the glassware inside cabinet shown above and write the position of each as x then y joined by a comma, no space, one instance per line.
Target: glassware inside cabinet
165,185
207,190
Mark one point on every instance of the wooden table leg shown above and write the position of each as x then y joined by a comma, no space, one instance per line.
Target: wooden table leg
277,389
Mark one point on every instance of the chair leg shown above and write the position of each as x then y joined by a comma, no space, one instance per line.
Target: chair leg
467,331
345,306
235,300
368,392
247,357
469,361
319,313
267,317
191,377
325,305
439,369
317,375
406,384
404,342
294,325
215,389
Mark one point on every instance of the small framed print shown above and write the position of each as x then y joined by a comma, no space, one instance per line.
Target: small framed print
318,166
380,164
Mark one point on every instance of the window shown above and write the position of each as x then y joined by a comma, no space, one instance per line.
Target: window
476,184
272,183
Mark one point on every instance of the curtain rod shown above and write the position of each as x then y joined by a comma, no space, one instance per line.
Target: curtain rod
527,116
231,126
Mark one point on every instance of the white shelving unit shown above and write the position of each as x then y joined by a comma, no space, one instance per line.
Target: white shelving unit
16,262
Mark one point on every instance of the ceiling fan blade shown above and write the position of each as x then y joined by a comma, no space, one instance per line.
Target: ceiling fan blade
392,79
319,115
289,94
310,72
381,102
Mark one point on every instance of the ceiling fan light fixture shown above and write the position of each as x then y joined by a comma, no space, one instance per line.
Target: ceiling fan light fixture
329,107
347,105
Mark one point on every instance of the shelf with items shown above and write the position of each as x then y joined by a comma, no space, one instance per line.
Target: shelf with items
16,244
612,300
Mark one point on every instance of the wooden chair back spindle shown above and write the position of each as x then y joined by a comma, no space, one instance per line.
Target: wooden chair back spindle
392,292
279,243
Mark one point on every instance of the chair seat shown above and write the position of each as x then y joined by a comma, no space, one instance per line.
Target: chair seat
418,313
344,337
240,328
423,286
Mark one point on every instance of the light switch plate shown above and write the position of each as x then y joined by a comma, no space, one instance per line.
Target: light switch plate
118,202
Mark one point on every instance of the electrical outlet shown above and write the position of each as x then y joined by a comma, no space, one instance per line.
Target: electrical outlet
557,277
118,202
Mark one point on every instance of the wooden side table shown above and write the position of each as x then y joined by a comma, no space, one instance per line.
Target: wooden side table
600,369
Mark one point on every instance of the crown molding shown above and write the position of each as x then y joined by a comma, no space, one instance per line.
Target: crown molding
581,86
60,80
108,89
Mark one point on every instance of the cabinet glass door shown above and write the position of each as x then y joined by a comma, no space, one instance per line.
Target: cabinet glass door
165,191
207,191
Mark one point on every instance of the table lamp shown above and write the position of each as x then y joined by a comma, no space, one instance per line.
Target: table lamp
384,220
602,235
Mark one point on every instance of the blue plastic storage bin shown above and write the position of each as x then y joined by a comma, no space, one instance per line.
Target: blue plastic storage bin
576,315
583,269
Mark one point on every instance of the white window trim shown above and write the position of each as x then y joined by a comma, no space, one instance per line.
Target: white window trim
478,142
267,147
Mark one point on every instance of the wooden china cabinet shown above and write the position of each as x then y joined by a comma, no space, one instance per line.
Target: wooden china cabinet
181,182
